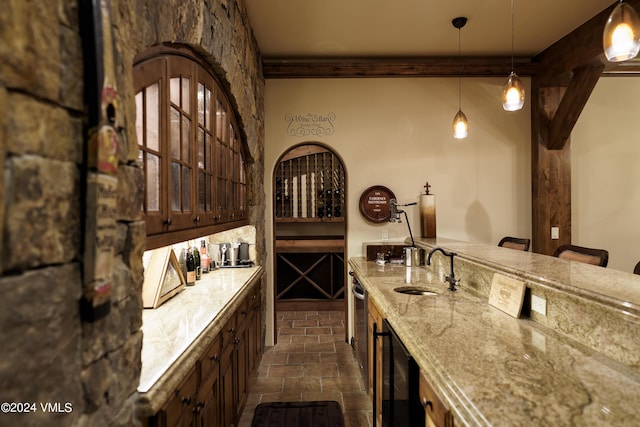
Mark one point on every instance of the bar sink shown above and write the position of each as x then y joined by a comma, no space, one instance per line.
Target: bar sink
415,290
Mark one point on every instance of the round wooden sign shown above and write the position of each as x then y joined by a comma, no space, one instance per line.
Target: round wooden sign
374,203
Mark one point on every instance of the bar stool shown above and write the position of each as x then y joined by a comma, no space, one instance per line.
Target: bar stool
581,254
515,243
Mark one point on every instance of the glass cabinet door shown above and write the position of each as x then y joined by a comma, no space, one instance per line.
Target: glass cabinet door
149,133
181,151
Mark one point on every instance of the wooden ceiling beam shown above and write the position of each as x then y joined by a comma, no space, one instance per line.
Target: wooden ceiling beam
581,46
274,68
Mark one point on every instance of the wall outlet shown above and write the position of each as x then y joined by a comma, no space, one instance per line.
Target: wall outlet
385,234
539,305
555,233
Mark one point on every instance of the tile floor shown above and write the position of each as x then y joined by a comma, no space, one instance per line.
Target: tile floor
311,361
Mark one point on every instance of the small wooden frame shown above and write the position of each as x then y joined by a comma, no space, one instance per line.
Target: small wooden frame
374,203
507,294
162,277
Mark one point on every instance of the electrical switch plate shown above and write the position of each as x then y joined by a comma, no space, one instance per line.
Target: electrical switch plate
385,234
555,233
539,305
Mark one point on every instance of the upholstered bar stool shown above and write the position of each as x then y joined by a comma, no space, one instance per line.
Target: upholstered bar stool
515,243
581,254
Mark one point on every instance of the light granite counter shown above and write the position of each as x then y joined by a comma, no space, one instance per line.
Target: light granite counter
492,369
177,333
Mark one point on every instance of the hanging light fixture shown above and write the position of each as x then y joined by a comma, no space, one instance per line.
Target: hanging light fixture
513,90
621,36
460,122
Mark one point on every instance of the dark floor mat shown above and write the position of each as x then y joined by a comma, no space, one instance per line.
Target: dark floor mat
296,414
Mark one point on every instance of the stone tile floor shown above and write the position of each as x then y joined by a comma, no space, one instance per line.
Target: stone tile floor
311,361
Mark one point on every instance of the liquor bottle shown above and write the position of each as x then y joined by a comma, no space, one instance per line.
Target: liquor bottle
191,268
198,264
205,261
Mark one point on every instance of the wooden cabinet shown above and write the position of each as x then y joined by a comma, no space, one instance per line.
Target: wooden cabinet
215,390
208,403
179,410
374,323
190,148
436,414
227,406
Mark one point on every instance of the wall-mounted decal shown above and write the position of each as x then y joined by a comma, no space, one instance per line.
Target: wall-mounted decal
310,124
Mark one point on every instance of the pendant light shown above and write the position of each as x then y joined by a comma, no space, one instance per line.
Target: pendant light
513,90
621,37
460,122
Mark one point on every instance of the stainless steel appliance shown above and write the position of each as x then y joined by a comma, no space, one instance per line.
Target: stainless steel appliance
360,339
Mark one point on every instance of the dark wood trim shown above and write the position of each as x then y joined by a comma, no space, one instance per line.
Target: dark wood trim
573,101
172,237
309,246
281,68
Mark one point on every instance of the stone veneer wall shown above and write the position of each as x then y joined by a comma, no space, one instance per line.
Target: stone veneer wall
48,354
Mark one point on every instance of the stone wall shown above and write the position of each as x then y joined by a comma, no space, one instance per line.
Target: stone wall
48,354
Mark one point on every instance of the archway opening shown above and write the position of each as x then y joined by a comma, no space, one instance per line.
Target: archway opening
309,211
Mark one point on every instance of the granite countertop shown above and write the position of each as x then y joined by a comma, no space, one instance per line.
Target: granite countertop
606,285
492,369
176,333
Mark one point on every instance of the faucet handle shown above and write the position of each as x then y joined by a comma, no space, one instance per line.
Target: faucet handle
453,282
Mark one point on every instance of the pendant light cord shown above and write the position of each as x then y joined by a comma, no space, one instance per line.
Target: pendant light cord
512,32
460,76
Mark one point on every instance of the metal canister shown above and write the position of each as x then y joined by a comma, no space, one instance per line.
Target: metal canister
413,256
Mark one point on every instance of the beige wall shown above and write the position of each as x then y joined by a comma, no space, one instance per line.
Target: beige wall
396,132
605,174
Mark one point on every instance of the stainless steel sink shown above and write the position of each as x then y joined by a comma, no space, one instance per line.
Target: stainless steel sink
415,290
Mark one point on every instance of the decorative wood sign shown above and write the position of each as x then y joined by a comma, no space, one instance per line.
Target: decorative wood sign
507,294
374,203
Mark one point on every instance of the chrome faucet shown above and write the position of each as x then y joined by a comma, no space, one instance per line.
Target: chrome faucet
451,279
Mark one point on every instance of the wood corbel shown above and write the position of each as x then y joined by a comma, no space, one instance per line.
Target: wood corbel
582,83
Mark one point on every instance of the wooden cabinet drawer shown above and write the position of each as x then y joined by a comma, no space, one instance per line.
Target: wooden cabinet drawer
243,309
183,400
436,414
211,358
229,331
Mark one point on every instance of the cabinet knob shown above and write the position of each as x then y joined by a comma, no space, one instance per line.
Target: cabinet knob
427,403
167,221
214,358
196,219
186,400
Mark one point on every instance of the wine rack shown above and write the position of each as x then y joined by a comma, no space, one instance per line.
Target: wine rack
310,186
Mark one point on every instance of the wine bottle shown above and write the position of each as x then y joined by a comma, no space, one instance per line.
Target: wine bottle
182,261
197,261
191,268
205,260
